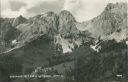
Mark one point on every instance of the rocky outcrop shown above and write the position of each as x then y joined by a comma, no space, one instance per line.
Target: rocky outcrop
19,20
67,23
111,23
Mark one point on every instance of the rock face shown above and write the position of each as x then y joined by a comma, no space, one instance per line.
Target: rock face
19,20
51,23
39,25
112,22
67,23
62,25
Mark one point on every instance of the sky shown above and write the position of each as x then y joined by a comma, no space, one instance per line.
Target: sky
82,9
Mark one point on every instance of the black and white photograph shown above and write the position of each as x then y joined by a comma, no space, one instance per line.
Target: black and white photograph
63,40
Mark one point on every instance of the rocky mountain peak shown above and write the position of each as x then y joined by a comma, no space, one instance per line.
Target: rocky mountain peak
19,20
51,23
110,23
66,16
66,23
45,22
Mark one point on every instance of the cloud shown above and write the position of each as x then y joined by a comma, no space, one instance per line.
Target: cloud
16,5
12,14
82,9
87,9
8,11
46,6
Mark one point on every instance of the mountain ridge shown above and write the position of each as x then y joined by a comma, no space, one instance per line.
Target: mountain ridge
111,24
